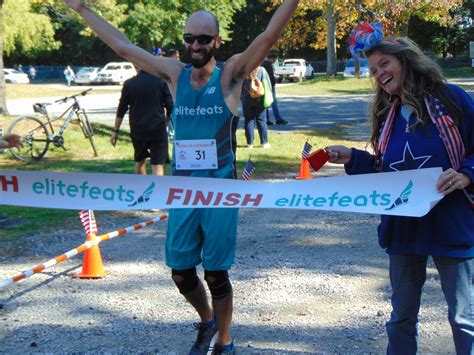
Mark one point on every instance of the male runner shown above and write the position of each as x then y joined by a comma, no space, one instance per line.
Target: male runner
206,98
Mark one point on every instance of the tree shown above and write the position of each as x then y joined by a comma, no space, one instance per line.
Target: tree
160,22
329,21
21,29
25,30
339,17
452,39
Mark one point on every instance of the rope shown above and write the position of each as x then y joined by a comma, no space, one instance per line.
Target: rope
81,248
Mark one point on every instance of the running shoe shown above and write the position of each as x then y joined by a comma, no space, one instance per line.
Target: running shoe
223,349
205,333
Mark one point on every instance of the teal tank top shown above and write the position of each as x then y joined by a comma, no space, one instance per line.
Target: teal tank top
203,114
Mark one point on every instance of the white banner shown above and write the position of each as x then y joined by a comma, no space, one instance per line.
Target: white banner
404,193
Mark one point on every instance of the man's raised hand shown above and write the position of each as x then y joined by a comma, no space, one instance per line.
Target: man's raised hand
75,5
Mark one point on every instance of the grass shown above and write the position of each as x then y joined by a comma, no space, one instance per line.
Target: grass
282,160
466,72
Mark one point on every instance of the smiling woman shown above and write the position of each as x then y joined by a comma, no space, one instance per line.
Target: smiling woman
387,70
418,122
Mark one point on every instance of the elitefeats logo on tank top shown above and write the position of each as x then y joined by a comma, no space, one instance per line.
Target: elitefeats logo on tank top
199,111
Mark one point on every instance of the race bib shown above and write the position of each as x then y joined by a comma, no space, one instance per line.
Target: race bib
195,154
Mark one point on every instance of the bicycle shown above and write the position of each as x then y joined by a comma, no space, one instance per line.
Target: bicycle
38,133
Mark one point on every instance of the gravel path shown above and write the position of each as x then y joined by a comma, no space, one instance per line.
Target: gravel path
304,281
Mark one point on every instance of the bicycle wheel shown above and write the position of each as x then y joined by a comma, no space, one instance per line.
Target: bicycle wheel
87,130
34,135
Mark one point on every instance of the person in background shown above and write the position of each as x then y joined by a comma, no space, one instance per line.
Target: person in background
69,75
158,52
32,72
150,103
268,63
253,109
419,121
206,99
9,141
173,53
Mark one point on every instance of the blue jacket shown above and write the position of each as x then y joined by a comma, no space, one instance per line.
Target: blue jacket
448,229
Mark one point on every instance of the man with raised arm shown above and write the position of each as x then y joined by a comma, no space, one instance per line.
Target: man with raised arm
206,98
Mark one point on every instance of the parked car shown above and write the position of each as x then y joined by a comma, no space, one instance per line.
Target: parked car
294,70
349,70
116,73
13,76
87,76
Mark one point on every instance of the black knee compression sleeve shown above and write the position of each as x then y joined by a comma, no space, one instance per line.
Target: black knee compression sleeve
218,282
185,280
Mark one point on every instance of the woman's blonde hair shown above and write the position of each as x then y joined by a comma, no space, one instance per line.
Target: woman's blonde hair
419,76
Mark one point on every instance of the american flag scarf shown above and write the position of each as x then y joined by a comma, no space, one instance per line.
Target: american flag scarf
449,133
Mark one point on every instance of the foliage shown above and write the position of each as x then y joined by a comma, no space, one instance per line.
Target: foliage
148,23
161,22
26,30
151,23
445,40
310,22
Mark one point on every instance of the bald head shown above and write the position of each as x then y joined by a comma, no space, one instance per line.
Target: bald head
202,22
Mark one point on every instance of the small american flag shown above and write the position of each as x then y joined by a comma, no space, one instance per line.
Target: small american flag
306,150
88,221
248,170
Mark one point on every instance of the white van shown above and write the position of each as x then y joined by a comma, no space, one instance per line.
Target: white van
116,73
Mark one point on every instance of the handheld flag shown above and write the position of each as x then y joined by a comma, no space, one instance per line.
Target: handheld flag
318,159
306,150
88,221
248,170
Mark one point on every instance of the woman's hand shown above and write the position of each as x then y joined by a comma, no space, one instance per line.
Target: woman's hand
339,154
451,180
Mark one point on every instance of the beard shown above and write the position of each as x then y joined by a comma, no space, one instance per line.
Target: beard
204,59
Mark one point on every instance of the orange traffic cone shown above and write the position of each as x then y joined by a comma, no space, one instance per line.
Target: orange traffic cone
92,267
304,170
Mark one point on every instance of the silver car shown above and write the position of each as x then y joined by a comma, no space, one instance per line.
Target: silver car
87,76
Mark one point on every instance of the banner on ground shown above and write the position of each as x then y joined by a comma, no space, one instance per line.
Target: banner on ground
405,193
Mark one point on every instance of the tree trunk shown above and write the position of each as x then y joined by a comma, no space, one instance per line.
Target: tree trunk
331,69
3,102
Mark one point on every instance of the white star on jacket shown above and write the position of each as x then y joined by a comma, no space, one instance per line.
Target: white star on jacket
409,162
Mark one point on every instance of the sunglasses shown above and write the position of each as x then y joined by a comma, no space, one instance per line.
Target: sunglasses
202,39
